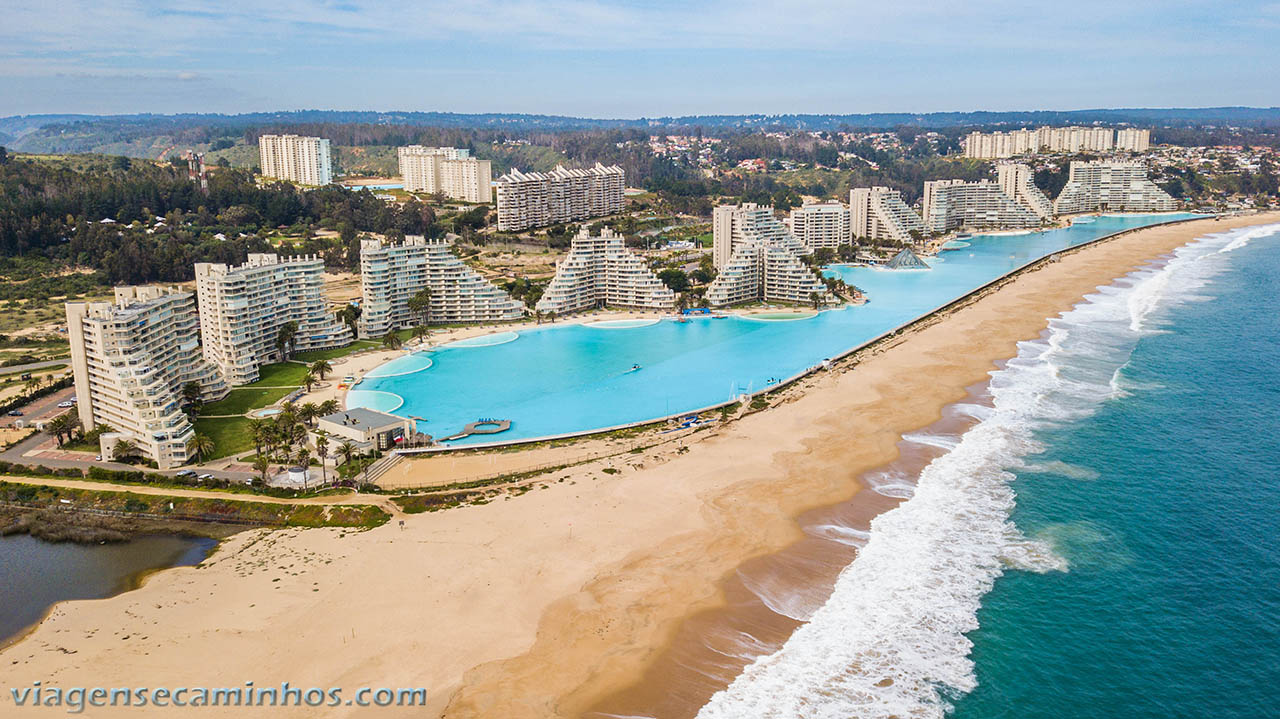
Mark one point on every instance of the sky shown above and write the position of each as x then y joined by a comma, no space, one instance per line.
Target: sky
632,58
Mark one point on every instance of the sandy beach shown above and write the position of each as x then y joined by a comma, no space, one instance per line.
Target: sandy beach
547,604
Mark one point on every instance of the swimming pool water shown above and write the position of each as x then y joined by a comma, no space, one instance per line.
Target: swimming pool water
562,379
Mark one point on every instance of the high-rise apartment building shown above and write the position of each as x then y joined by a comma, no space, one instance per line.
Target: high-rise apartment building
448,170
601,271
130,360
759,259
243,308
304,160
1017,181
1111,186
1132,139
951,204
391,274
878,213
539,199
822,225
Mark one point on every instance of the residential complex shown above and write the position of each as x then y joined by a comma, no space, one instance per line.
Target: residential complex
878,213
824,224
1017,181
242,310
1111,186
601,271
304,160
952,204
448,170
391,274
759,259
130,360
996,145
538,199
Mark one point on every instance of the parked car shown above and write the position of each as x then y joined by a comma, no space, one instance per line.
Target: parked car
185,473
15,413
97,458
65,405
205,477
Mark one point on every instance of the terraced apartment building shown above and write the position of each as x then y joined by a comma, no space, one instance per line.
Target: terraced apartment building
953,204
304,160
1017,181
130,359
540,199
878,213
1111,186
600,271
243,308
391,274
822,225
448,170
758,259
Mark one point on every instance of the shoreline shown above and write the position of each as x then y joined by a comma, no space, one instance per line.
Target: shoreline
546,604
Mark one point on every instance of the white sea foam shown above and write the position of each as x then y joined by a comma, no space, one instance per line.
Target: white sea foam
840,534
891,483
890,640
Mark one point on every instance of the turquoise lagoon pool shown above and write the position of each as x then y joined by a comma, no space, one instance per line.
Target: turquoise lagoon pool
568,378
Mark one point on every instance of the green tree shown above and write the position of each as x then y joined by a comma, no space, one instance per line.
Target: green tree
123,449
286,338
201,445
261,465
420,304
674,278
321,367
347,450
391,340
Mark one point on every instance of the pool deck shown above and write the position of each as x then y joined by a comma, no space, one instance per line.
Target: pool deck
492,426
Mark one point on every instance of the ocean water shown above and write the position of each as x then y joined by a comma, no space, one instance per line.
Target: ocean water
566,378
1101,543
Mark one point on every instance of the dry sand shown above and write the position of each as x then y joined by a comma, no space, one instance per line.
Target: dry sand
540,605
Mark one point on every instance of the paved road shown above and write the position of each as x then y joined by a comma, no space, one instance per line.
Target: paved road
14,454
43,408
34,366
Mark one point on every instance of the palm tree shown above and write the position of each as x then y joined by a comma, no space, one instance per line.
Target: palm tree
320,368
58,426
201,445
257,430
813,297
191,394
261,464
349,316
420,331
123,448
420,304
285,339
322,451
304,461
309,380
328,407
347,450
391,340
32,384
308,412
537,316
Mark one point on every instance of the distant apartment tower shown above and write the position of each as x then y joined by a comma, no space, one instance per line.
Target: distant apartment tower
391,274
448,170
1017,181
952,204
1133,140
878,213
130,360
759,259
821,225
304,160
1111,186
243,308
600,271
539,199
999,145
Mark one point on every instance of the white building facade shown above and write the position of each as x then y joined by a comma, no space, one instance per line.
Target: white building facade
758,259
1017,182
1110,186
878,213
822,225
392,274
304,160
600,271
130,360
999,145
539,199
243,308
952,204
448,170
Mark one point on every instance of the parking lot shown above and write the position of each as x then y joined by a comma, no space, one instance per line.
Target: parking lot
43,408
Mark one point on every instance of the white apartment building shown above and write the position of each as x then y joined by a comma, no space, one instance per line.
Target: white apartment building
130,360
952,204
304,160
758,258
242,309
1113,186
1132,139
448,170
391,274
824,224
1017,182
539,199
601,271
999,145
878,213
735,225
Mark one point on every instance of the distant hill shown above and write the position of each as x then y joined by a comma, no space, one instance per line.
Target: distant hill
147,135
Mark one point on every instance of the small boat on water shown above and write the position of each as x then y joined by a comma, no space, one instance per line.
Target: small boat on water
634,368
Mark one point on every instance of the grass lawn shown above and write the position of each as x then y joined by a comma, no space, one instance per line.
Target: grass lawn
335,352
230,436
244,399
281,374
